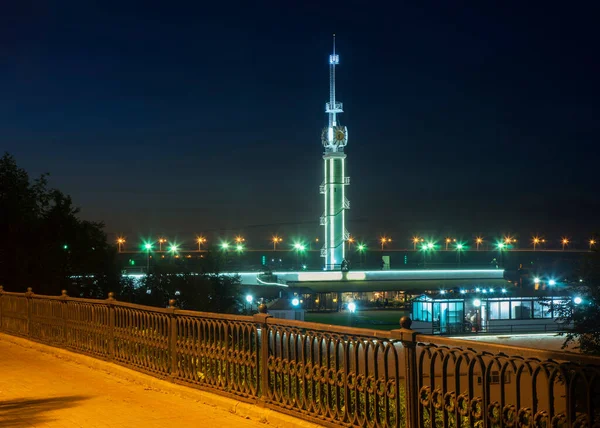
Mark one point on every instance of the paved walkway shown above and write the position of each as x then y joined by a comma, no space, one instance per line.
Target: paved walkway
39,389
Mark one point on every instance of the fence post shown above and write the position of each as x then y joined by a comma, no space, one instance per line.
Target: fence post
64,315
408,338
263,356
28,295
173,339
111,325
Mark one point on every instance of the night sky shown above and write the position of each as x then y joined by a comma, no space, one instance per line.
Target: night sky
174,118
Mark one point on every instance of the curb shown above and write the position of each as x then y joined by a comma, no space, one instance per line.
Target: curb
244,410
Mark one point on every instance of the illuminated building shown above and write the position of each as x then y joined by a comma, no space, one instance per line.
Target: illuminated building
334,138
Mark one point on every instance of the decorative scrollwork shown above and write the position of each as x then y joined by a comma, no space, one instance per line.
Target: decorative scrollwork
477,407
509,415
425,396
494,412
450,401
524,417
437,399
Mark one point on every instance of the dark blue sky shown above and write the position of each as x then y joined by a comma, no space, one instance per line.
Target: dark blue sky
177,118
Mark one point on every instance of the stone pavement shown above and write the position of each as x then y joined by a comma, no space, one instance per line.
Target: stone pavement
44,387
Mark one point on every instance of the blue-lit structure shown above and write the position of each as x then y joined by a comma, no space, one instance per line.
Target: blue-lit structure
334,139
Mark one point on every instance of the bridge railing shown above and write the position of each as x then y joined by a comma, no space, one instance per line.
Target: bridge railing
326,374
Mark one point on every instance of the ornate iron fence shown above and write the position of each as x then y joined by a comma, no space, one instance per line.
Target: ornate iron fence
331,375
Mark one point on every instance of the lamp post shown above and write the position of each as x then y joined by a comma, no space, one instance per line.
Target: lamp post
592,243
459,248
535,241
249,301
350,241
384,241
276,240
565,242
200,240
361,248
148,247
478,242
121,241
239,239
299,248
501,246
160,242
415,242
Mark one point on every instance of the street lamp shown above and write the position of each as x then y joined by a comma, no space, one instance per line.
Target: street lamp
592,243
459,248
173,248
239,239
448,241
160,242
501,246
239,248
148,248
535,241
276,240
224,245
415,242
478,242
565,242
350,242
200,240
384,241
361,248
121,241
249,300
299,247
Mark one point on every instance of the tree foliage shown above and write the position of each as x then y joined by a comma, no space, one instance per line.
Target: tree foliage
43,242
583,318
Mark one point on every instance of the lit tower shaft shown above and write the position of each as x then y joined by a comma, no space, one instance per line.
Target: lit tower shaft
334,138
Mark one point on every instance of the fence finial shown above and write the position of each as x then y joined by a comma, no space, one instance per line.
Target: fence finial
64,293
172,303
29,291
262,308
111,296
405,322
1,289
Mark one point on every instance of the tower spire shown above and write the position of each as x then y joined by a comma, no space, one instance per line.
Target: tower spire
334,139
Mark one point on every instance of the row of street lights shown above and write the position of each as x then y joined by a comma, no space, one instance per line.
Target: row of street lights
503,244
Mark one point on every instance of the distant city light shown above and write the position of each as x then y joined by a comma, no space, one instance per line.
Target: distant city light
224,245
552,282
352,307
173,248
148,246
239,247
536,280
295,302
462,291
503,290
249,298
484,291
442,291
577,300
430,245
477,303
459,246
491,290
478,289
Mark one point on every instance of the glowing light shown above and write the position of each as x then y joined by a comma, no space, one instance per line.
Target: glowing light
500,246
479,240
120,241
277,239
148,246
552,282
249,298
295,302
536,280
173,248
462,291
477,303
299,247
478,289
361,247
459,246
352,307
491,290
442,291
430,245
503,290
239,247
577,300
484,291
224,245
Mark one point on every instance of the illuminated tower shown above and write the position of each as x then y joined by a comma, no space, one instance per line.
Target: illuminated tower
334,138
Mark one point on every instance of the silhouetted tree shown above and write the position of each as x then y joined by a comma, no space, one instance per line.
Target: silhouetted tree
584,316
43,242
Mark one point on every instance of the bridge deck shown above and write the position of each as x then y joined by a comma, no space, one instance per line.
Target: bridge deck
43,387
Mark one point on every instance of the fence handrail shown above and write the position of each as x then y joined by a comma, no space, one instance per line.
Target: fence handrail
332,375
